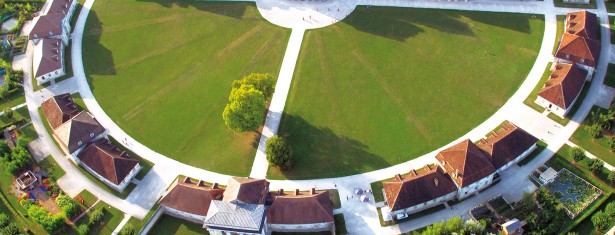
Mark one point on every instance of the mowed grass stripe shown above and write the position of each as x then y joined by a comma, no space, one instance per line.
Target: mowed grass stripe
387,85
164,71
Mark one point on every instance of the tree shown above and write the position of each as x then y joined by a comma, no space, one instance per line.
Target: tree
577,154
96,216
609,210
128,229
68,205
612,144
10,229
246,110
601,221
595,130
263,82
611,177
279,153
83,229
595,165
4,92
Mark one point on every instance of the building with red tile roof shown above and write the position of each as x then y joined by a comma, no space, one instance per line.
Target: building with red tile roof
304,212
469,167
562,89
507,146
582,23
189,199
59,109
48,60
109,164
584,52
419,190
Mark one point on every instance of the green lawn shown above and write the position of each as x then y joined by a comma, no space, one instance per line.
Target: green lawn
610,6
18,114
169,90
529,101
51,166
599,148
387,85
169,225
609,79
137,223
560,3
88,198
110,221
559,31
16,98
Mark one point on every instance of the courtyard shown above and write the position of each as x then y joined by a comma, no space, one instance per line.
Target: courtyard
365,93
163,72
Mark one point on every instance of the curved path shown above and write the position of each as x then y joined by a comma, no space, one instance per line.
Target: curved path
360,217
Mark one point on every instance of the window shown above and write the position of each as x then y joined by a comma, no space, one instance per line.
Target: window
80,143
582,60
91,135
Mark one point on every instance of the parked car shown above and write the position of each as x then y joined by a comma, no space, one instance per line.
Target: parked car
401,216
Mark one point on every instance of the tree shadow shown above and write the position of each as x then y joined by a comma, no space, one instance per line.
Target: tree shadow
402,23
97,59
320,153
231,9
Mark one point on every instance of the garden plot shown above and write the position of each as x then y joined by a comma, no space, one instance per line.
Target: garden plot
573,191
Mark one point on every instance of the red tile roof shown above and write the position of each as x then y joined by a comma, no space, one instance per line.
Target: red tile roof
47,25
465,162
305,208
579,49
59,109
430,183
59,6
564,85
246,190
507,144
191,197
82,128
108,160
582,23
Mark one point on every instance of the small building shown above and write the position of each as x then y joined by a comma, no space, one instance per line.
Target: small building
583,52
109,164
59,109
513,227
548,175
562,89
48,60
190,200
77,132
469,167
582,23
27,181
301,212
242,209
507,146
420,190
50,26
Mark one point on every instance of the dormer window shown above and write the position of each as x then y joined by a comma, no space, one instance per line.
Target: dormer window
582,60
80,143
91,135
567,56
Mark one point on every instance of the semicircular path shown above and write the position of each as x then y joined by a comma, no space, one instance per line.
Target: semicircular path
166,169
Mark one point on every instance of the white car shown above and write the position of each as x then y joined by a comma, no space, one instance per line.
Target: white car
402,216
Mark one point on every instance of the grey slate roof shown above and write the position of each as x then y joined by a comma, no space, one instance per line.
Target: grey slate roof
238,216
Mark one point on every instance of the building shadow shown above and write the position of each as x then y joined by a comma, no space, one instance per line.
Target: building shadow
231,9
320,153
97,59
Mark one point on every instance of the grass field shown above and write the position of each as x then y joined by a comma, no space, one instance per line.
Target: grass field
529,101
169,225
16,98
599,148
387,85
163,72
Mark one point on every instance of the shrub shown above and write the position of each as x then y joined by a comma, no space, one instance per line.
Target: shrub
279,153
611,177
595,130
83,229
4,220
48,221
595,165
68,205
610,210
128,229
577,154
96,216
8,113
601,221
10,229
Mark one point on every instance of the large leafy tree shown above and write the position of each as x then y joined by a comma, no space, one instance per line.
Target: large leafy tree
577,153
595,165
246,110
601,221
279,153
263,82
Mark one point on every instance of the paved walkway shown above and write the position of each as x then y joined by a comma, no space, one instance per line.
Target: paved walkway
360,217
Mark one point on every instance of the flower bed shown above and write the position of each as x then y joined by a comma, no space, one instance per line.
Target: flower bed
573,192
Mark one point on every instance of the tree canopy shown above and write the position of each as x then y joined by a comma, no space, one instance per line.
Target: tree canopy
263,82
279,153
246,110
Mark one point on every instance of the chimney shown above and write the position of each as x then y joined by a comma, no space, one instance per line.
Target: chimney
215,186
201,184
493,133
281,191
484,141
427,167
412,172
187,180
313,191
398,177
435,181
296,192
457,173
